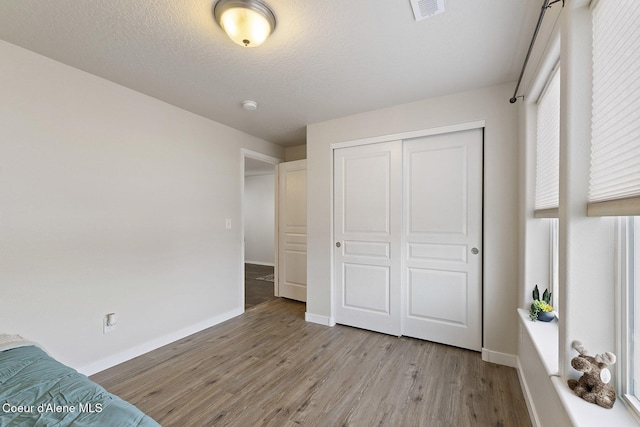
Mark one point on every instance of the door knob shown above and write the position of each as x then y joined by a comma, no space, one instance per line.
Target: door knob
337,244
475,251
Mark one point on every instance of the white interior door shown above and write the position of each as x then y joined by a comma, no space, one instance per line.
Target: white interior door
292,230
408,230
367,212
442,238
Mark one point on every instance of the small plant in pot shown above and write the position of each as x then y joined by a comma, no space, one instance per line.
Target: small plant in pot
541,309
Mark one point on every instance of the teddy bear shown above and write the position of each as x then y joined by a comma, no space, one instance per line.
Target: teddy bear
593,386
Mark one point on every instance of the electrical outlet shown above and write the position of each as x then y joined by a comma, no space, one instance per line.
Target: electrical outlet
109,323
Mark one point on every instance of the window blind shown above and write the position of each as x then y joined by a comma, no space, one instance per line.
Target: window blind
614,187
548,150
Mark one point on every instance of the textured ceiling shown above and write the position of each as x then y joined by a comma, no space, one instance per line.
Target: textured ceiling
326,58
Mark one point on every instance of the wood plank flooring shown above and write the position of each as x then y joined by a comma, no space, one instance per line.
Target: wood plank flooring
269,367
257,291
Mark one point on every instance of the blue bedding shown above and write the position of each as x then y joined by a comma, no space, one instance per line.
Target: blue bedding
37,390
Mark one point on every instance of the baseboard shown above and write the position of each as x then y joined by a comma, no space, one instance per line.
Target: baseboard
321,320
123,356
267,264
499,358
528,399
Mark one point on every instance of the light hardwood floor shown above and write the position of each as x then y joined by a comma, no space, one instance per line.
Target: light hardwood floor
257,291
269,367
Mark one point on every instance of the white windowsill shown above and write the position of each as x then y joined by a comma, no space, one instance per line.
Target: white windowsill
583,413
544,336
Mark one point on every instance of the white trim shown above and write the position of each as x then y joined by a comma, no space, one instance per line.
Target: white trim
276,233
528,397
409,135
333,303
500,358
554,258
544,336
632,405
258,156
319,319
624,301
585,414
140,349
621,308
548,67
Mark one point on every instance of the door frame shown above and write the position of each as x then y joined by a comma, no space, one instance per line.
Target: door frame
244,153
479,124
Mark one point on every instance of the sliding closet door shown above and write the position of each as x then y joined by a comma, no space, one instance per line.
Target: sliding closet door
408,231
367,213
442,238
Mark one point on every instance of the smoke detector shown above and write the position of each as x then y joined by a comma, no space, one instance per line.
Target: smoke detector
425,8
250,105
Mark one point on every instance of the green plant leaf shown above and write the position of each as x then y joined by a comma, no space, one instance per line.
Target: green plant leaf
536,293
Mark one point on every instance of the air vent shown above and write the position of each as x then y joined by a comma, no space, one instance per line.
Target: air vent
426,8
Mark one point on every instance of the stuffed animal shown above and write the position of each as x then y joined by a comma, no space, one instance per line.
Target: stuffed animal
593,386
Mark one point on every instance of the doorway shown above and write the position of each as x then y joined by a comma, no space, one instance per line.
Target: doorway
259,228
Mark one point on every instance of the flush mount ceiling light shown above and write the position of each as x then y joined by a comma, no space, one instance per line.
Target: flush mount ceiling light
246,22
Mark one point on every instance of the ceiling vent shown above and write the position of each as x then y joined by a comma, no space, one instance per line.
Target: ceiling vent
426,8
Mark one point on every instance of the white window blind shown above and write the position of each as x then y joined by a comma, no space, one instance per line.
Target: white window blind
615,128
548,149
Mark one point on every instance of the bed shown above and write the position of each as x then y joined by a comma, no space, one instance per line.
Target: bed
37,390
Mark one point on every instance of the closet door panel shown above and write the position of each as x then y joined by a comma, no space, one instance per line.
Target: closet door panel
442,238
367,216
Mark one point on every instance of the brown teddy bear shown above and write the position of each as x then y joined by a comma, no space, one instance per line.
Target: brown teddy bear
593,386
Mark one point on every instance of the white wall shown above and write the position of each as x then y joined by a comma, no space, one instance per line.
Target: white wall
112,201
297,152
501,250
259,219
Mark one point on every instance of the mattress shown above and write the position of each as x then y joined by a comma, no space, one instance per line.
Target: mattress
37,390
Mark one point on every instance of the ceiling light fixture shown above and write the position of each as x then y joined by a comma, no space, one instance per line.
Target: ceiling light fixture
246,22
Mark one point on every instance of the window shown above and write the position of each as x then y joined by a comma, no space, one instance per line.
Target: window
614,187
553,263
615,127
548,149
548,171
629,361
634,282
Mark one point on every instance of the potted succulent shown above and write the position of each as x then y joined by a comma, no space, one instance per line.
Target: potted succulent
541,309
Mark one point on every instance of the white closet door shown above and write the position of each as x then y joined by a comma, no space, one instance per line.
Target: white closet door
442,238
292,230
367,213
408,230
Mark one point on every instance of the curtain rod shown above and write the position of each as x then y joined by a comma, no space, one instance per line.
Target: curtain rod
546,5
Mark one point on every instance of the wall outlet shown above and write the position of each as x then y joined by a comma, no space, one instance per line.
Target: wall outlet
109,323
